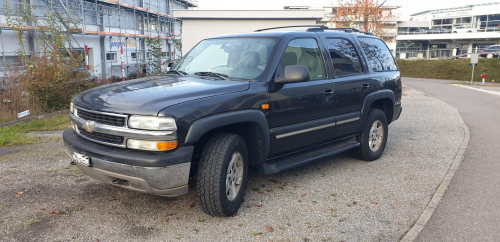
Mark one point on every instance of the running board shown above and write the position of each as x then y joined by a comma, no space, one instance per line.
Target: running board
297,159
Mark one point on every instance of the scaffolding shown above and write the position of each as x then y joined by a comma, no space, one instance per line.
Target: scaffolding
128,19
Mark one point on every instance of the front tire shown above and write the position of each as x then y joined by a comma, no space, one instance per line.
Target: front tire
222,175
373,138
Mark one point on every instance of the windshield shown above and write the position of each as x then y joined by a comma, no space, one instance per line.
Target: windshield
244,58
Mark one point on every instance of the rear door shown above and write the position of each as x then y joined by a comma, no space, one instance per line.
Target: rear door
302,114
352,84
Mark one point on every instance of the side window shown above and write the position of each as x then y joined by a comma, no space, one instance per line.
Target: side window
378,55
345,59
304,52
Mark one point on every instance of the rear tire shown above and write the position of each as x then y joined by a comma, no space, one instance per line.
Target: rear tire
222,175
373,138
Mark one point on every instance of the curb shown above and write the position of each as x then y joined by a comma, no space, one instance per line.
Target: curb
415,230
34,118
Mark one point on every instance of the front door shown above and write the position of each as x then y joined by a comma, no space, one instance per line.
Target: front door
302,114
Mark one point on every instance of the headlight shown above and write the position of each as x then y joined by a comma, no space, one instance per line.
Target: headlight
151,145
71,108
151,123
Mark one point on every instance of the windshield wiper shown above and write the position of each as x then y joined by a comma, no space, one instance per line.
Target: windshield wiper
215,74
180,73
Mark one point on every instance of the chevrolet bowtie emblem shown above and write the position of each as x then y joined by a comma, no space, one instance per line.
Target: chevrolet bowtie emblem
89,126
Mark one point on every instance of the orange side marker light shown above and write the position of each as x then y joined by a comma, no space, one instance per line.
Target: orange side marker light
265,106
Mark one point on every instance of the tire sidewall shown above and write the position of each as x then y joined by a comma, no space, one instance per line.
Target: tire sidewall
231,207
376,114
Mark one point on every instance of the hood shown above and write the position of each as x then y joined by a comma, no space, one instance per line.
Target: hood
148,96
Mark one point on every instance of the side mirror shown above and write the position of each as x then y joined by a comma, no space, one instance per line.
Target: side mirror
172,64
293,74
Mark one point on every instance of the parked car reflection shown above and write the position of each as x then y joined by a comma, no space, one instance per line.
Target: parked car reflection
463,29
438,30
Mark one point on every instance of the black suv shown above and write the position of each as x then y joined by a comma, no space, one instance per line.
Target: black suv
274,100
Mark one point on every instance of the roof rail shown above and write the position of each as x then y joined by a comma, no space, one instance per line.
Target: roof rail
317,28
293,26
350,30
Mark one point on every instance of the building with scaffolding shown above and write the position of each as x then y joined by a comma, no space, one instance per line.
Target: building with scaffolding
104,27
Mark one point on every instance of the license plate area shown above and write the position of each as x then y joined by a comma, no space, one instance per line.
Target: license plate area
82,159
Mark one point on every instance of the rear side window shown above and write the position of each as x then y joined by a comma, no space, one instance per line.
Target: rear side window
378,55
304,52
345,59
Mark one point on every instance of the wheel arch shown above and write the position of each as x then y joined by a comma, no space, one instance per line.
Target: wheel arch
382,99
251,125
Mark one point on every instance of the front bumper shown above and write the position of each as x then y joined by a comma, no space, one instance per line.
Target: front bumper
159,173
398,109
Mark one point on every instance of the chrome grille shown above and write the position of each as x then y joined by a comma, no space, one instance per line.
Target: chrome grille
102,118
106,138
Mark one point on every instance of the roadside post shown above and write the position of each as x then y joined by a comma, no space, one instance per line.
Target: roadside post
87,57
123,66
484,77
474,59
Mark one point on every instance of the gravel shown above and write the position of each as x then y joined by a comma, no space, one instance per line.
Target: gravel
337,198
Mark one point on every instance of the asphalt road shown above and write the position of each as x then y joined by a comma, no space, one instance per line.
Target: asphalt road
469,210
339,198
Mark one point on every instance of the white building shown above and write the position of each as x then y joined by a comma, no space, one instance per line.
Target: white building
107,25
434,33
200,24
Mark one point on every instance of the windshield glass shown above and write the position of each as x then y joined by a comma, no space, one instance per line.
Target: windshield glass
244,58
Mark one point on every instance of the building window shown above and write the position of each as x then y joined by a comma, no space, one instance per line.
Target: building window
447,21
481,46
438,46
465,20
137,55
111,56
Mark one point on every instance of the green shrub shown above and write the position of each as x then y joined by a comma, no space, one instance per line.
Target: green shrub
52,83
450,69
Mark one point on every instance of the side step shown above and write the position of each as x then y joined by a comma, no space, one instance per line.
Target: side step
300,158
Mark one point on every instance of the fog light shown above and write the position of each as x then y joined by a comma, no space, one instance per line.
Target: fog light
151,145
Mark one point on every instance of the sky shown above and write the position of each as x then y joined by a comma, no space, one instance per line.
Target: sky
408,6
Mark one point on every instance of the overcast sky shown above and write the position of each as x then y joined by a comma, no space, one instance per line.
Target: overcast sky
408,6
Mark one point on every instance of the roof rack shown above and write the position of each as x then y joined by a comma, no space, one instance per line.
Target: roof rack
317,28
350,30
293,26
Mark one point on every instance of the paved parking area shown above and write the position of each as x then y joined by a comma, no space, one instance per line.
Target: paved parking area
42,198
495,90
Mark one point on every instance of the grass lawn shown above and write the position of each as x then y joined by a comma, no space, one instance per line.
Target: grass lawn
15,134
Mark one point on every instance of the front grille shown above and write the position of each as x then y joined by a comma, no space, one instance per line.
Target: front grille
102,118
107,138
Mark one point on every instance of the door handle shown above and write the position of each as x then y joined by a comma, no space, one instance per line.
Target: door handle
365,86
328,93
